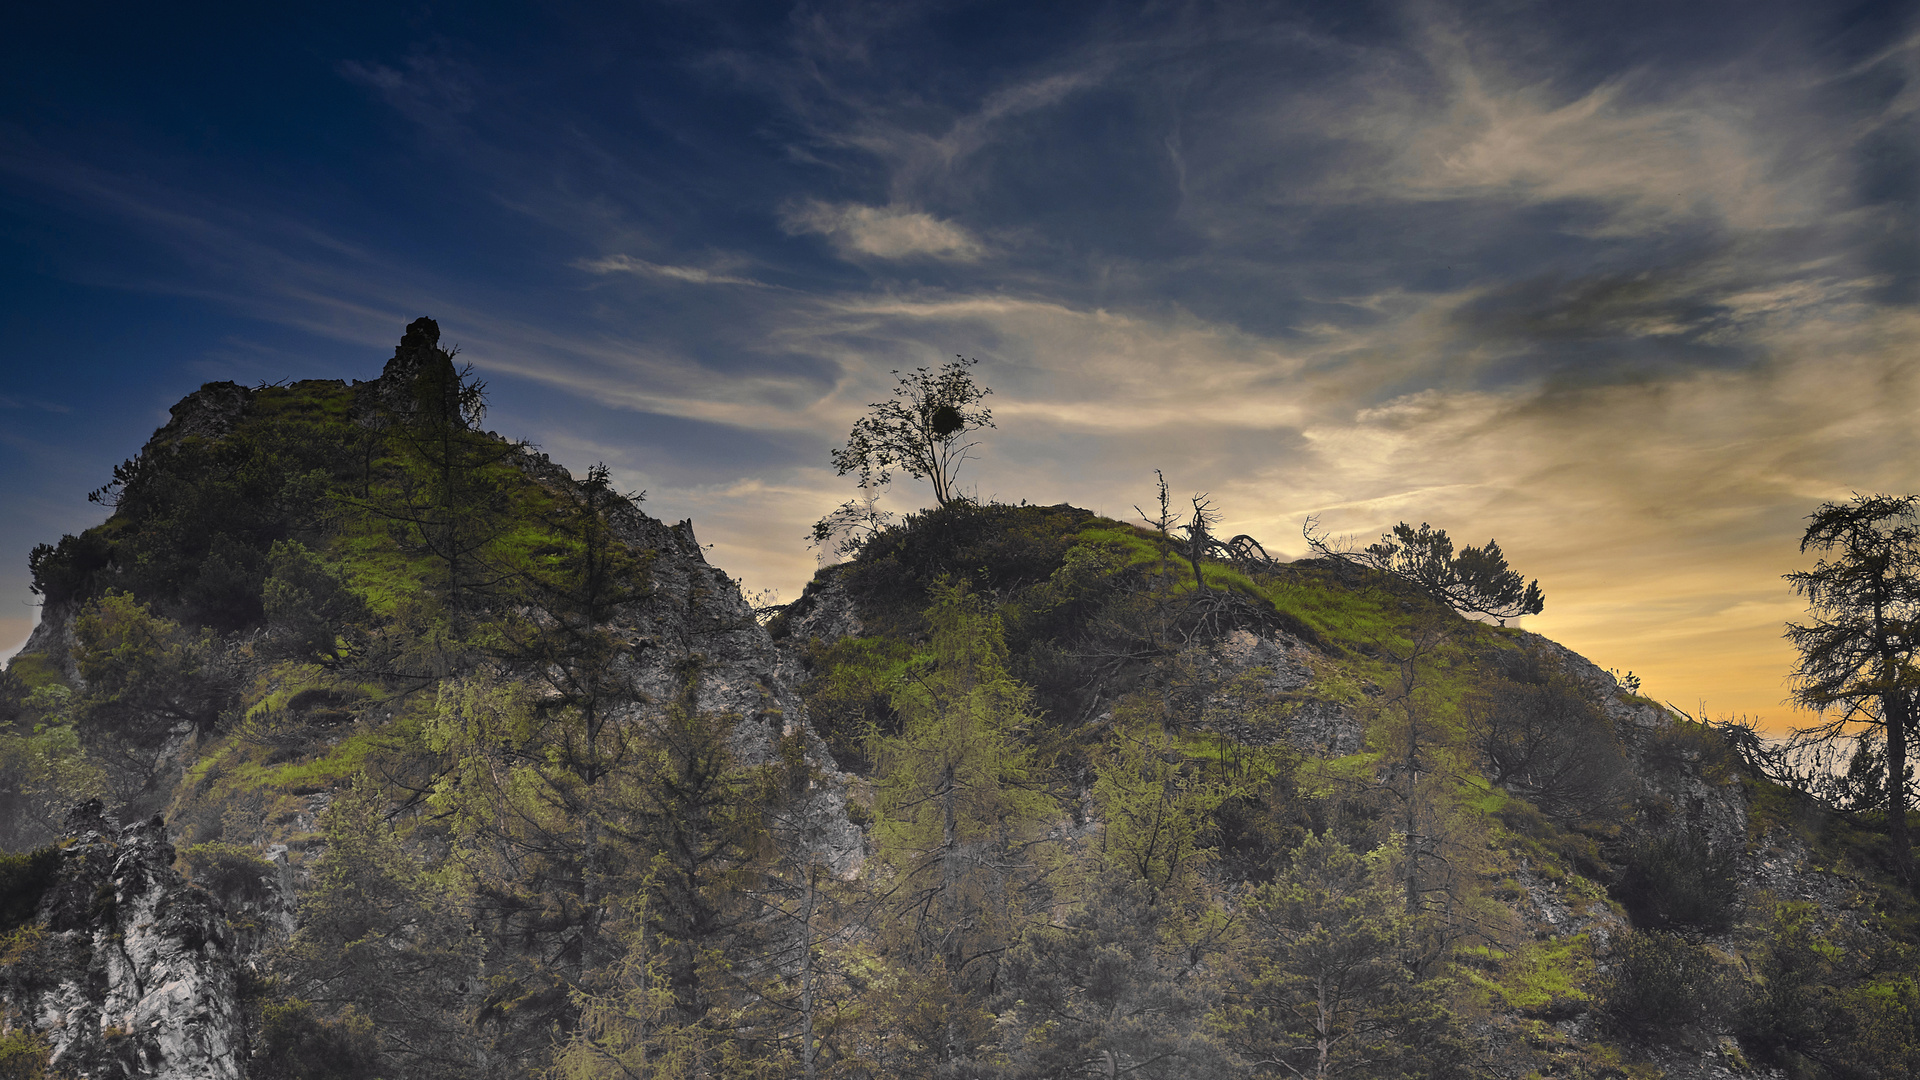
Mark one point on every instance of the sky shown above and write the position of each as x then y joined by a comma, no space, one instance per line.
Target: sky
1629,287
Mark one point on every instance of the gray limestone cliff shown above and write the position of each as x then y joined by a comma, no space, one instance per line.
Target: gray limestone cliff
127,970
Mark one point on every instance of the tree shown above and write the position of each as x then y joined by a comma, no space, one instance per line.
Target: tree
145,674
1330,993
1540,736
920,431
1158,815
1858,653
954,800
1110,990
1200,541
44,770
561,629
1478,581
381,933
450,496
307,603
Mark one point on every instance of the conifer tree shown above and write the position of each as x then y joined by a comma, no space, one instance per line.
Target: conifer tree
448,495
1858,653
382,934
560,632
956,799
1330,994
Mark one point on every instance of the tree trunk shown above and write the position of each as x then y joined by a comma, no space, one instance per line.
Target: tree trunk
1322,1032
1894,712
806,974
949,900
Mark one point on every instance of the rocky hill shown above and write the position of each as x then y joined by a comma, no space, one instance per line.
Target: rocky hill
445,761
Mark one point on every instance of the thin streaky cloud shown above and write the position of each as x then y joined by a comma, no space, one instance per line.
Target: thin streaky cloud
627,264
883,232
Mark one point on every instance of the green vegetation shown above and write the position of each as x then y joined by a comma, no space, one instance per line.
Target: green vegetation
919,432
23,1055
1660,985
1477,581
24,879
1676,882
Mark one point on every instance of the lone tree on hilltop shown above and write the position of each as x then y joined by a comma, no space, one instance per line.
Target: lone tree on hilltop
1477,581
922,431
1858,653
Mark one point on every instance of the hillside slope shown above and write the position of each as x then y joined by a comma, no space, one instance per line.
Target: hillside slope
477,770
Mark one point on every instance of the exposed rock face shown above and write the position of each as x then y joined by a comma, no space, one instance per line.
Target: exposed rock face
695,624
53,637
824,613
134,974
418,354
1259,671
1716,811
207,413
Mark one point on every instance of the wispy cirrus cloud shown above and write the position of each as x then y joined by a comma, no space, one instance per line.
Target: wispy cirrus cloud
12,401
627,264
1631,316
883,232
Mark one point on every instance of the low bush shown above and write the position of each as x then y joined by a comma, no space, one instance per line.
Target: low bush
1662,987
229,871
1678,883
24,879
296,1043
23,1056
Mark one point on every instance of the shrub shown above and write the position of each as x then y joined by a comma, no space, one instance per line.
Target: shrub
307,604
67,570
230,871
224,592
1684,746
1659,986
1831,998
144,673
1678,883
24,879
995,548
1545,740
23,1056
297,1044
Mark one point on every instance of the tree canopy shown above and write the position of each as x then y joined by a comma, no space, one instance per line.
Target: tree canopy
1857,655
1477,581
921,431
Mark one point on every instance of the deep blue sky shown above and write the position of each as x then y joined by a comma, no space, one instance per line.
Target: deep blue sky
1629,286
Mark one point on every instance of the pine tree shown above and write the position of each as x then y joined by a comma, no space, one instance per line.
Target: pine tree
957,797
1858,653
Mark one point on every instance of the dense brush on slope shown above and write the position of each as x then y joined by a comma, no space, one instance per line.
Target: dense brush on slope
479,771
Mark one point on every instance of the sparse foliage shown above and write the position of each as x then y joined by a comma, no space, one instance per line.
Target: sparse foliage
1540,736
921,431
1857,655
850,526
1477,581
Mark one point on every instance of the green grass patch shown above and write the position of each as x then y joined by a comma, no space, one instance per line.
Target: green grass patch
1543,980
1478,793
35,670
325,401
387,578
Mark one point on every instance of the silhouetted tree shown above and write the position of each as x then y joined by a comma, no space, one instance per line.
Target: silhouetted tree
1478,581
1858,653
920,431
